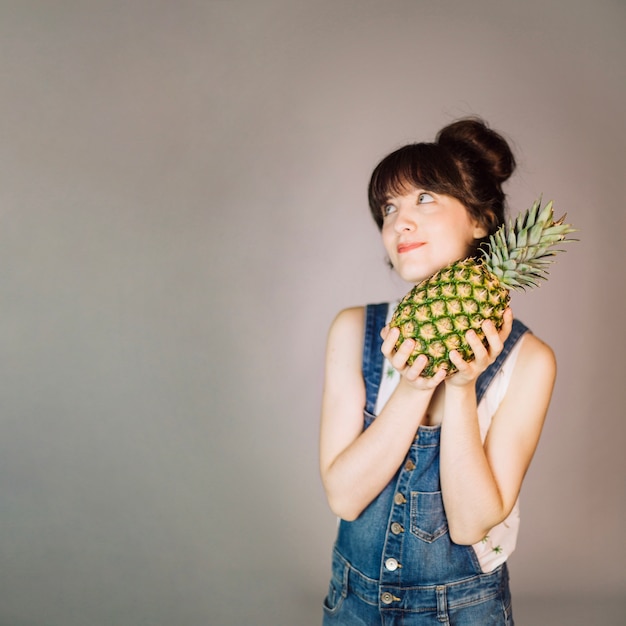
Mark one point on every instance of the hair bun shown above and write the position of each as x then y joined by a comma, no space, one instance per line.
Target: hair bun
471,140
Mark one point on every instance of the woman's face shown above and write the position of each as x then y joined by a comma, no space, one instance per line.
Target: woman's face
424,231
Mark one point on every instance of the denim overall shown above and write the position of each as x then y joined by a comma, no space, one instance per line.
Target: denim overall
395,564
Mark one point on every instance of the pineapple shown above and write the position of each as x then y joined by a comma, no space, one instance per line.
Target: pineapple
438,312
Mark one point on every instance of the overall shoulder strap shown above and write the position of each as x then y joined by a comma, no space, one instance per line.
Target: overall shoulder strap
488,375
375,318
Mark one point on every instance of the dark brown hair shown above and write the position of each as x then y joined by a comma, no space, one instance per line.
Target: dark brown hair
467,161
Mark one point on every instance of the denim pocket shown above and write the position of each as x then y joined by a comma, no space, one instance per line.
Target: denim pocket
428,519
337,588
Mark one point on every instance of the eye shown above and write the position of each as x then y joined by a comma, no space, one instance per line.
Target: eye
388,209
424,198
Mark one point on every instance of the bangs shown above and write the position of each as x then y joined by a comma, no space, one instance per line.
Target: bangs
417,166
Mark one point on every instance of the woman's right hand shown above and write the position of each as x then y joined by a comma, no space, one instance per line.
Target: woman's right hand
411,374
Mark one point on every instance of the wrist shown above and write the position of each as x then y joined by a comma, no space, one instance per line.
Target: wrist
419,389
461,392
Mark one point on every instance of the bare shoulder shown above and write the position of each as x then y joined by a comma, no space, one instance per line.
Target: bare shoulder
536,359
344,353
345,337
534,373
349,320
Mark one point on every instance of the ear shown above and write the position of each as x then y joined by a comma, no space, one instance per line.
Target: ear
480,231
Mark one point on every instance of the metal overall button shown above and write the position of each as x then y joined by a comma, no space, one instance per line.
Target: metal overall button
399,498
392,564
388,598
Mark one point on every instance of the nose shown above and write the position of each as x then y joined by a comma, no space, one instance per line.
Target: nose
406,218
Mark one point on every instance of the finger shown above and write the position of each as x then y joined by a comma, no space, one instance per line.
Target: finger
400,358
458,361
389,340
507,324
492,333
482,355
413,372
495,339
476,344
440,374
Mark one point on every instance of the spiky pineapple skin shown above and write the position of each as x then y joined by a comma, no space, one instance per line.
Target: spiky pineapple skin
438,312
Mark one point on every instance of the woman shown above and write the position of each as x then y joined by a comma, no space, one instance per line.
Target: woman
425,473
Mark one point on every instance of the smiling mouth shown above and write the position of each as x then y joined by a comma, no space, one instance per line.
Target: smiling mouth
407,247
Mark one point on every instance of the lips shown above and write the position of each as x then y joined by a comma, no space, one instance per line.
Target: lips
407,247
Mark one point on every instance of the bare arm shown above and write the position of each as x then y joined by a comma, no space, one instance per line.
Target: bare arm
356,465
481,483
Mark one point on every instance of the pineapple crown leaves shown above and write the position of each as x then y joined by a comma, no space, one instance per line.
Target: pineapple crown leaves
519,253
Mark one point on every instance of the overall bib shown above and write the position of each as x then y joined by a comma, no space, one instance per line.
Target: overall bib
396,564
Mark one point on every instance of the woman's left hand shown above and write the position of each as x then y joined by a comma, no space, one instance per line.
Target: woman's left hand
469,371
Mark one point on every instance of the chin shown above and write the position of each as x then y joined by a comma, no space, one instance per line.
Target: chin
413,278
411,275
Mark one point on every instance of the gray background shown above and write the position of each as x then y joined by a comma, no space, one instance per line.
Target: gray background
183,211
